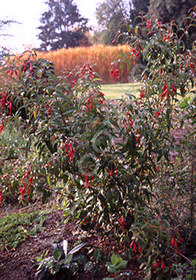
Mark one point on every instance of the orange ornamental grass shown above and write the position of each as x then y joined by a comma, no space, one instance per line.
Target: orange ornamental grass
100,57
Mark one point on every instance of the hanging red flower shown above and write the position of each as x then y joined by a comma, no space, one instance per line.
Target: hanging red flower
115,73
163,266
122,222
111,172
149,25
1,198
1,128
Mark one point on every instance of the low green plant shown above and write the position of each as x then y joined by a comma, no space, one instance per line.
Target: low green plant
61,260
184,271
17,227
19,163
115,267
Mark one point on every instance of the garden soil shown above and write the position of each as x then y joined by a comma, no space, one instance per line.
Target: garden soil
21,264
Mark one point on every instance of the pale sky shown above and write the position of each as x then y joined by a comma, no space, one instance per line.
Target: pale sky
28,13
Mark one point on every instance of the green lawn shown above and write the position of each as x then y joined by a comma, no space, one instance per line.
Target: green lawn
114,91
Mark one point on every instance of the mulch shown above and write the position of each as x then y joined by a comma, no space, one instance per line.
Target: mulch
20,264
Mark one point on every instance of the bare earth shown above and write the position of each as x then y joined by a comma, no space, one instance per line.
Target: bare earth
19,264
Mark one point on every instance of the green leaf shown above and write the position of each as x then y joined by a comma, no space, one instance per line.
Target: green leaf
57,254
88,266
55,269
115,259
97,255
68,259
111,268
74,267
82,259
184,103
121,265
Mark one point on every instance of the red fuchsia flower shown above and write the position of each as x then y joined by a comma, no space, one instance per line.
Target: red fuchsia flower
157,114
163,266
159,23
1,198
101,93
174,244
68,147
69,75
180,240
25,65
31,70
100,100
26,174
149,25
116,171
48,111
71,153
87,182
181,64
122,222
192,66
89,104
65,146
1,128
73,84
165,93
30,182
3,100
173,241
130,122
111,172
156,265
91,75
48,164
142,94
114,73
133,245
173,88
134,50
22,191
114,41
16,72
137,54
9,72
31,179
9,107
139,248
138,139
167,37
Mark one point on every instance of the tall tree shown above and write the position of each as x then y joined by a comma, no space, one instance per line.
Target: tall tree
177,11
168,10
137,7
110,15
3,24
62,25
